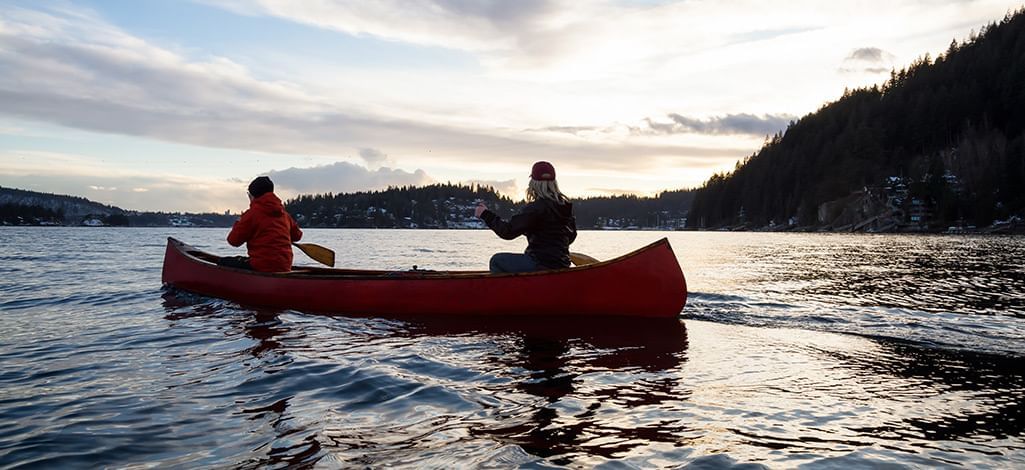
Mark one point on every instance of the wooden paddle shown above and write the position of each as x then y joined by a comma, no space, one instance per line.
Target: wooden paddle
581,259
318,253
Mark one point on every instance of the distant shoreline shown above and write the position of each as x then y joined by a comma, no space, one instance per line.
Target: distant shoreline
983,231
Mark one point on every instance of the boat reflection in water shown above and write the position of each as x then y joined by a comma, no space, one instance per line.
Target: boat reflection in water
558,389
589,376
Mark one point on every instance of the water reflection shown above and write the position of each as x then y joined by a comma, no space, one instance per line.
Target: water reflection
263,328
291,446
982,276
587,374
384,392
989,391
180,305
259,324
94,364
964,293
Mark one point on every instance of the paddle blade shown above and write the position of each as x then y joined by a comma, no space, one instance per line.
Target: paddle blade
580,259
318,253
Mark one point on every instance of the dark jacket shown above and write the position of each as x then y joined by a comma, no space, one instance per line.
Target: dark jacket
549,228
268,232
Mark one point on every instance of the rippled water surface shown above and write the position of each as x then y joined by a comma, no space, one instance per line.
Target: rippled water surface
794,350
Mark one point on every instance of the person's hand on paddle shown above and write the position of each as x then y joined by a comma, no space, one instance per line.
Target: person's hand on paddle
481,207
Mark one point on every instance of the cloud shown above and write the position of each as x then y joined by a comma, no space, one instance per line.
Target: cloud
89,75
168,193
469,23
507,188
15,131
575,130
749,124
730,124
497,27
868,59
868,54
80,175
92,178
548,39
342,177
373,157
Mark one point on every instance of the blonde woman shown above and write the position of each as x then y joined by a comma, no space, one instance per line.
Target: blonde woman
547,221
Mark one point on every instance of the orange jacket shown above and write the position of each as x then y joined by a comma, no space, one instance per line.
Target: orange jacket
268,232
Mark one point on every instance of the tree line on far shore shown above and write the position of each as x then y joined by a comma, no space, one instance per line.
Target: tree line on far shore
450,205
433,206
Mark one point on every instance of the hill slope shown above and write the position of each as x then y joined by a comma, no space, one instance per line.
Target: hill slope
23,207
939,143
68,206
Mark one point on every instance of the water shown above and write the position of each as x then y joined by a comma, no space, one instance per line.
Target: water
794,350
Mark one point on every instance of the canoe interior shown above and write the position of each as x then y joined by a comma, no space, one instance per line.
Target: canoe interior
341,273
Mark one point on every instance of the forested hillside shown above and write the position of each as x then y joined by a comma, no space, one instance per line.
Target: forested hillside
941,143
51,207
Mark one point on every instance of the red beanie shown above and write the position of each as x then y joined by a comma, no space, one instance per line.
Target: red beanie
542,171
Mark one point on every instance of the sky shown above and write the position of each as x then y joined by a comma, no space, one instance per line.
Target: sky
177,105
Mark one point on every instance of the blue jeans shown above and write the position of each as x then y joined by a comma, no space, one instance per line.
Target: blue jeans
513,263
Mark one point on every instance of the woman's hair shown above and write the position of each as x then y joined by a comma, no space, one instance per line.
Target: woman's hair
545,190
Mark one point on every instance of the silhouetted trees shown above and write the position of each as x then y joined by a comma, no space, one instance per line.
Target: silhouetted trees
16,214
434,206
954,126
451,206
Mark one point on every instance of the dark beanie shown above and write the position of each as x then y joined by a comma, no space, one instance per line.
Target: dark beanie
260,186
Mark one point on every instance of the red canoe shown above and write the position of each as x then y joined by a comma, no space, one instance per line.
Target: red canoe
645,283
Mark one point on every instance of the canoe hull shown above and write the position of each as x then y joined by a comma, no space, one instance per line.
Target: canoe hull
645,283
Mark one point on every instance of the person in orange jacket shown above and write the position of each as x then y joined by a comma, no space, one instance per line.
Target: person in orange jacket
267,230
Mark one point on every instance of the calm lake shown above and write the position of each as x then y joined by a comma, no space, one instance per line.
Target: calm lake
794,350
